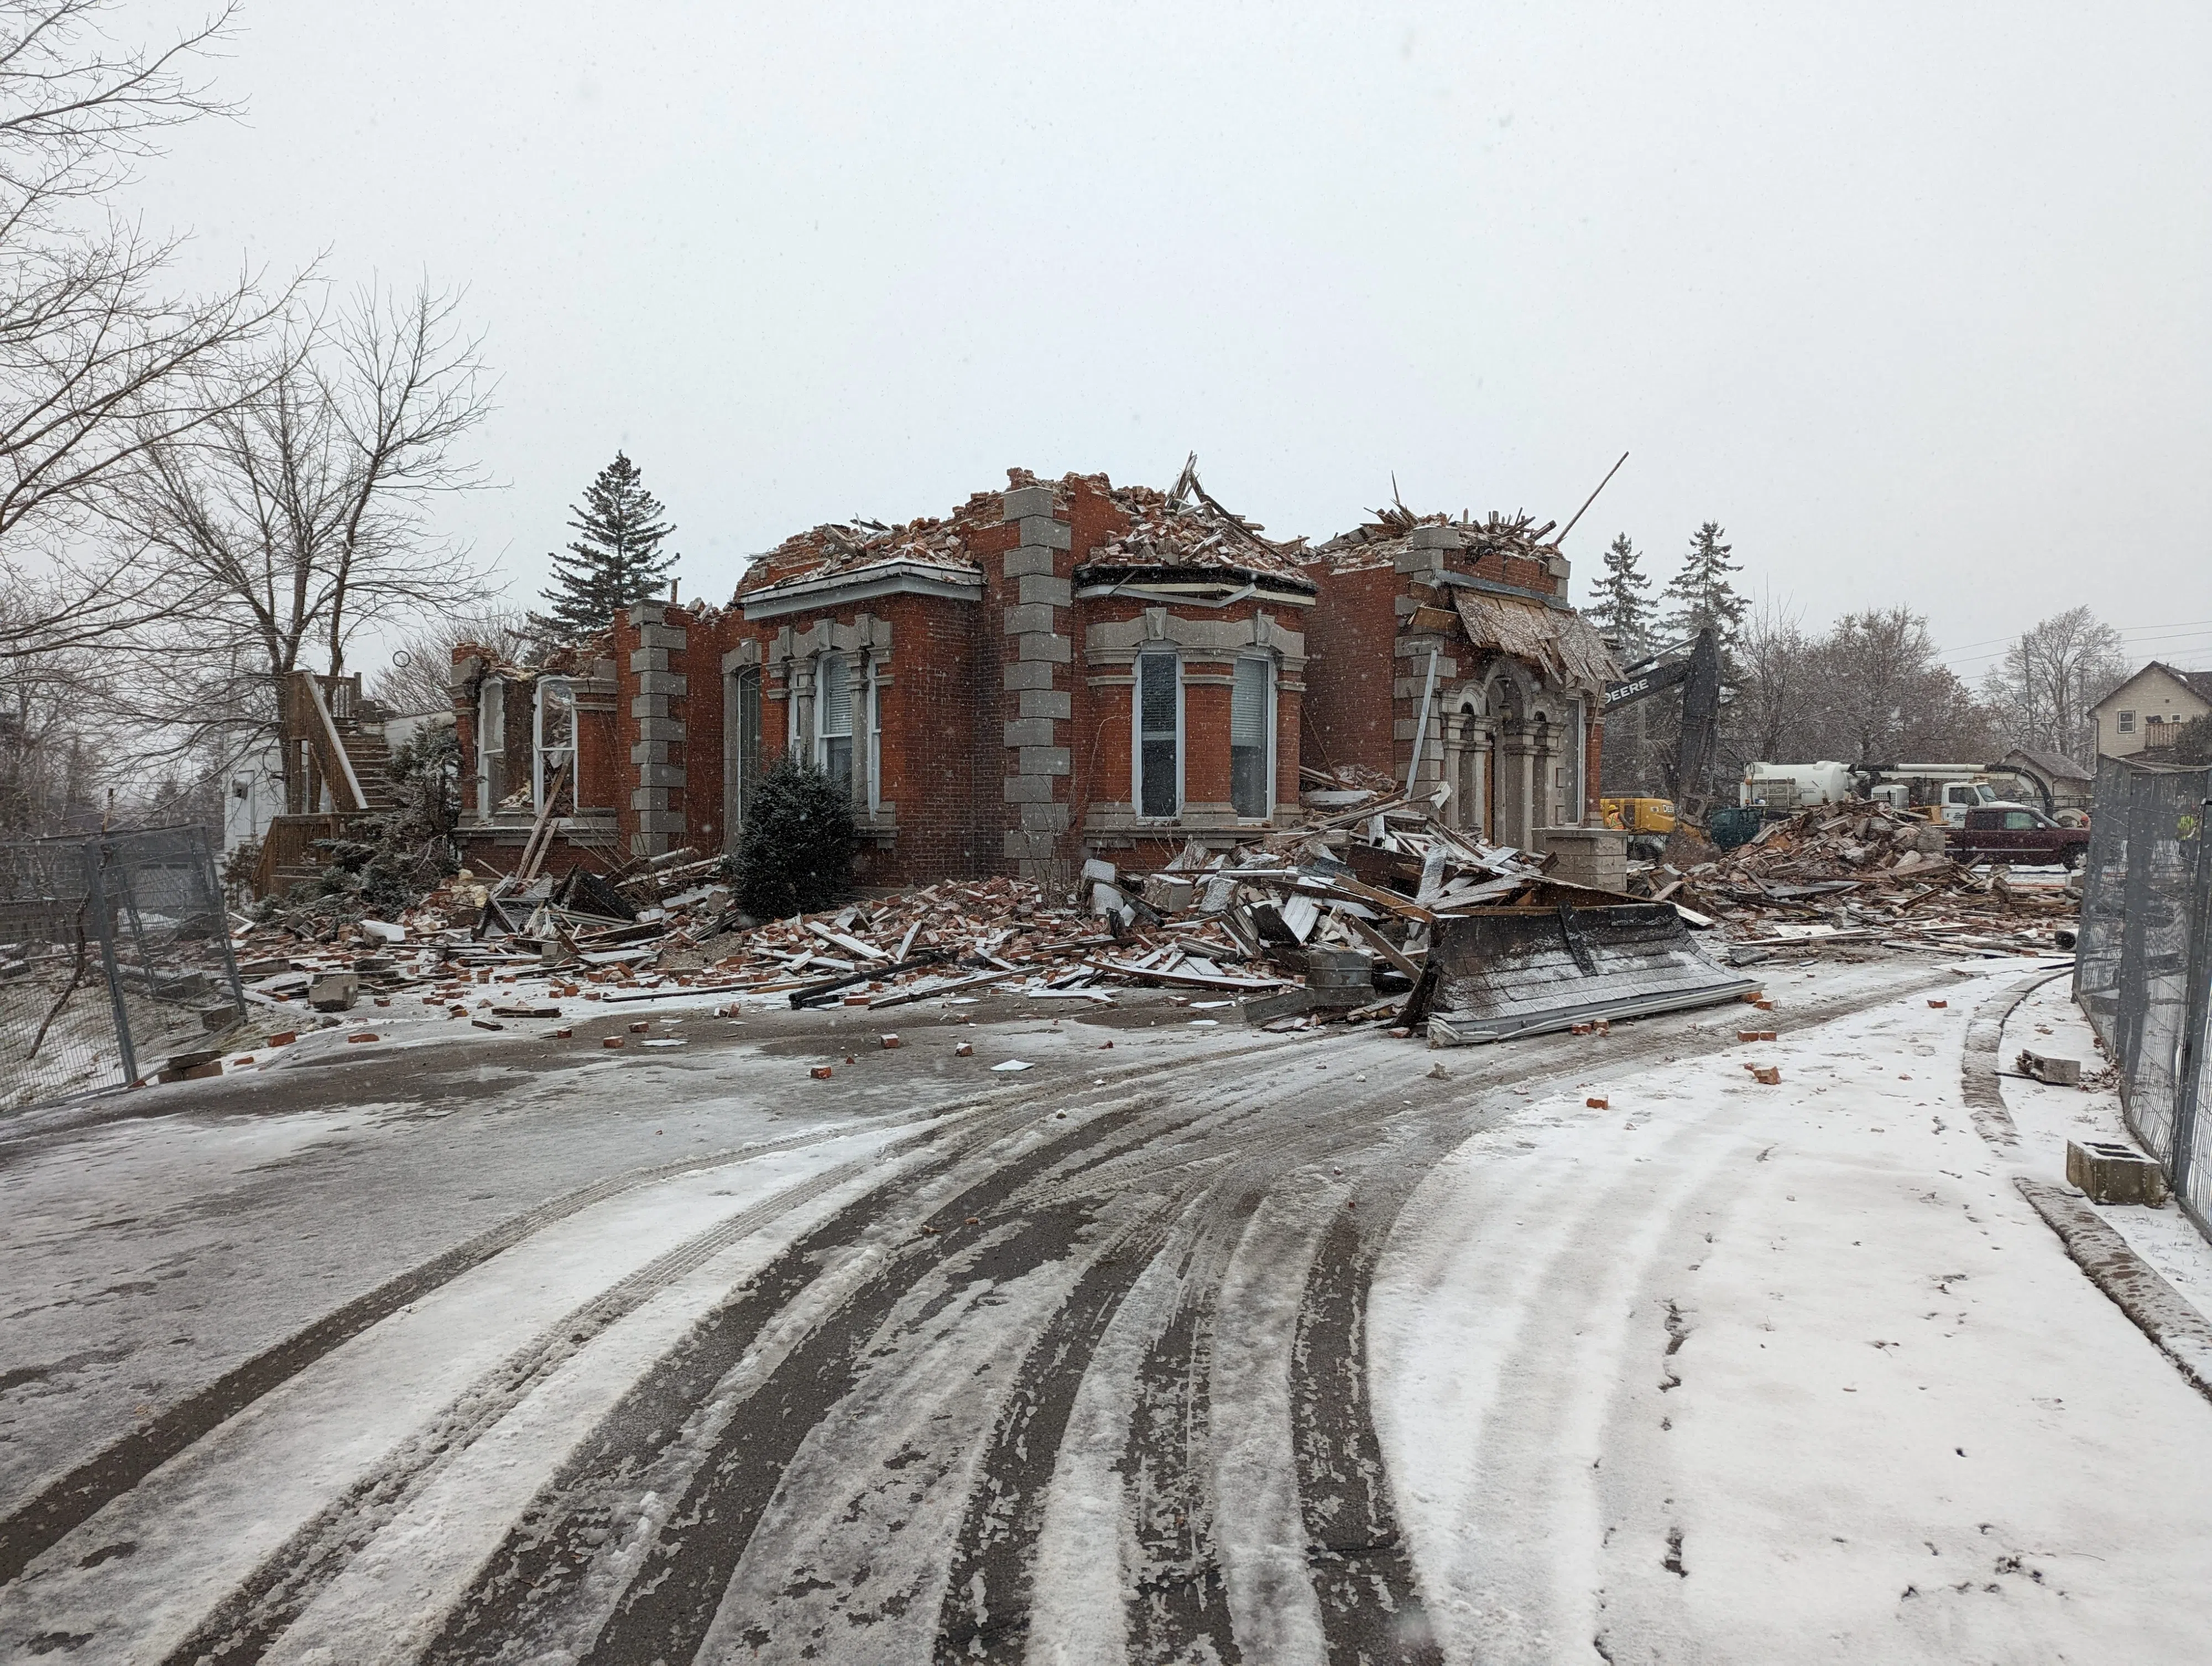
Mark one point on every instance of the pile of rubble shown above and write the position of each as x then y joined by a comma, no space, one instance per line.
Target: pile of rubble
1869,873
1338,922
1333,921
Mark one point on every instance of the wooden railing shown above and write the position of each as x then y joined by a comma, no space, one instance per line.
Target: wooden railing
290,843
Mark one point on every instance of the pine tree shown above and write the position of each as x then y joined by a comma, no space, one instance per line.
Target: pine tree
1702,594
1621,607
616,562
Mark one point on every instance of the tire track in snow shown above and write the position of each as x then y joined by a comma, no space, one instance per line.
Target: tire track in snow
242,1627
66,1503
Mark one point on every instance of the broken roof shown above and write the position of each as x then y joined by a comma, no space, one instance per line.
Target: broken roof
1376,542
1179,529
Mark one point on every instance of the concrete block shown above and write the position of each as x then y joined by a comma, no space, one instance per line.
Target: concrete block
1047,703
1027,674
1043,760
1028,789
334,992
1169,894
2049,1067
1030,732
1596,856
1026,501
1044,645
1053,593
660,682
1042,531
2112,1173
1026,560
1029,618
1044,817
662,635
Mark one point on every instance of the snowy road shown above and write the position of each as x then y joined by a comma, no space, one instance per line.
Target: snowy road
1210,1347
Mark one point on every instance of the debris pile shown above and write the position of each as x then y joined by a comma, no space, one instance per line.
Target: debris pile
1869,873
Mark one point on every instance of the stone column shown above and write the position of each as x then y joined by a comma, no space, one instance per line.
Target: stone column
1524,746
1039,685
657,799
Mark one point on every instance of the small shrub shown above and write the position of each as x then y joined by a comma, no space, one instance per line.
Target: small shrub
795,852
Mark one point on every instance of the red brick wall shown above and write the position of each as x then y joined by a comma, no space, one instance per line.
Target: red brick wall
1351,634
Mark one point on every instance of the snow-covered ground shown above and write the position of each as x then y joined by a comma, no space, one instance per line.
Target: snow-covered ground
1728,1372
1066,1365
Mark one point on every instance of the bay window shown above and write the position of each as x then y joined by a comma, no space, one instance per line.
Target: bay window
1158,733
833,720
1251,736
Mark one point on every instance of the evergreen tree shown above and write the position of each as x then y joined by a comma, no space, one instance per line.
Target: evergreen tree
616,562
1702,595
1621,607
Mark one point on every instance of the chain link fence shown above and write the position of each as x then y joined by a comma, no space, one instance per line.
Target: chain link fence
2144,970
114,957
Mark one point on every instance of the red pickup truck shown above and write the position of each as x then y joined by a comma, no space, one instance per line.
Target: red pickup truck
2017,833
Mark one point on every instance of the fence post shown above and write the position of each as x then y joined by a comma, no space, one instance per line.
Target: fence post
95,853
2196,1026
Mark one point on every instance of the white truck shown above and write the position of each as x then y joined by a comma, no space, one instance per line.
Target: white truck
1941,791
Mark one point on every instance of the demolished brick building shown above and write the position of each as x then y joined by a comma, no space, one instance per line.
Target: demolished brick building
1061,669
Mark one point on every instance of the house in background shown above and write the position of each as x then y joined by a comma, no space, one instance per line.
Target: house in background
2063,786
1059,670
2146,714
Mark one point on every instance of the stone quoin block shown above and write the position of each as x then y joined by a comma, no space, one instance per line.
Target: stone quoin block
648,798
662,636
1042,531
1044,760
648,658
1025,561
1029,731
661,683
660,775
1044,645
1047,703
1025,500
1044,817
1053,593
1023,675
659,821
1028,789
1028,619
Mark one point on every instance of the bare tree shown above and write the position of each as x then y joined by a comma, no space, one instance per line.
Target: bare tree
419,677
1768,718
2051,675
301,516
1879,694
97,362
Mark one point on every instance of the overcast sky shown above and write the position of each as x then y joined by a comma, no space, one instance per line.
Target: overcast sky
1912,299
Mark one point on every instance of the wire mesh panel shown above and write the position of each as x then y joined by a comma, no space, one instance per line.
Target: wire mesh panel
114,956
2104,902
2145,958
58,1032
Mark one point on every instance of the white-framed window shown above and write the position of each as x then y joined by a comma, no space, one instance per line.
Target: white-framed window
875,737
554,743
2127,722
833,719
1157,734
1252,737
491,744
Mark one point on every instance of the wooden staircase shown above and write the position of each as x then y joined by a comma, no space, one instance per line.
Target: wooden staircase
335,755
